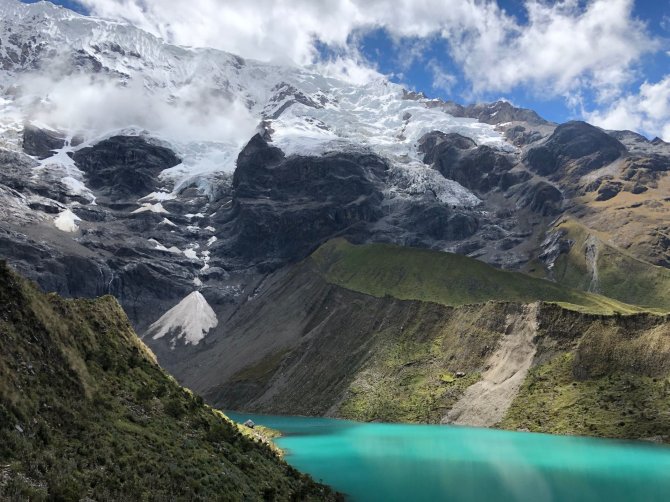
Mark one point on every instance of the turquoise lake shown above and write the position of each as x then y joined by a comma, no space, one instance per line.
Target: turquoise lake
389,462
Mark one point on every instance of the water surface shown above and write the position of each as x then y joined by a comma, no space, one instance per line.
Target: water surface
388,462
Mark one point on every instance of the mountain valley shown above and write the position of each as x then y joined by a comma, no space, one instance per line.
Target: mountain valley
333,249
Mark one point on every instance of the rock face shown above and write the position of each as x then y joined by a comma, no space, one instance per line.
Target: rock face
284,207
574,146
543,198
489,113
122,167
111,252
40,142
481,169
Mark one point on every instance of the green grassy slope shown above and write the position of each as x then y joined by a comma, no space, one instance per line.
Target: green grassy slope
602,368
410,375
445,278
85,411
620,275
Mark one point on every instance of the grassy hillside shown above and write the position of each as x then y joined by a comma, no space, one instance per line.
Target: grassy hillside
411,373
601,367
85,411
445,278
619,275
612,380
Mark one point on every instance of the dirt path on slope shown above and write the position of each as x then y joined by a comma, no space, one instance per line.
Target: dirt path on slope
485,403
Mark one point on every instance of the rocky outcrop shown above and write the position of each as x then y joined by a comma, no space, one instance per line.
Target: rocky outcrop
489,113
543,198
501,112
41,143
574,147
479,168
609,190
124,167
285,207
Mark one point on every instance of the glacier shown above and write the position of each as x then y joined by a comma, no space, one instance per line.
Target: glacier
209,102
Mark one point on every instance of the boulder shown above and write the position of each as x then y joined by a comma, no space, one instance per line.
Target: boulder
608,190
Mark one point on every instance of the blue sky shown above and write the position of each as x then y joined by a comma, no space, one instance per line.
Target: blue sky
606,61
379,47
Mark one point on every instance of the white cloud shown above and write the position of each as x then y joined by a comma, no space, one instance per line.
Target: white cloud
647,111
94,104
350,69
564,46
442,79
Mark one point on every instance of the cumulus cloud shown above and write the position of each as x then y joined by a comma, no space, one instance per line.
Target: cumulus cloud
97,104
563,45
647,111
348,68
442,79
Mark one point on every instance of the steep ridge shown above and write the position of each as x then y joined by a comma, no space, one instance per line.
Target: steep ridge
448,279
85,412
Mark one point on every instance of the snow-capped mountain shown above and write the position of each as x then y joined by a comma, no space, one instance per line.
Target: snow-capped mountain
307,112
151,171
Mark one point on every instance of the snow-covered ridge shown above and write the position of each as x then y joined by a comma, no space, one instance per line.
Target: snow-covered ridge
206,103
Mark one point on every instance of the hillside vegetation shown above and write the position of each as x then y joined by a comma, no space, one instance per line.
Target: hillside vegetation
619,275
85,411
445,278
383,333
601,367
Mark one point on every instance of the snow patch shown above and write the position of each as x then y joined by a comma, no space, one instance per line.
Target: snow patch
190,253
415,180
190,320
154,208
158,197
160,247
67,221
